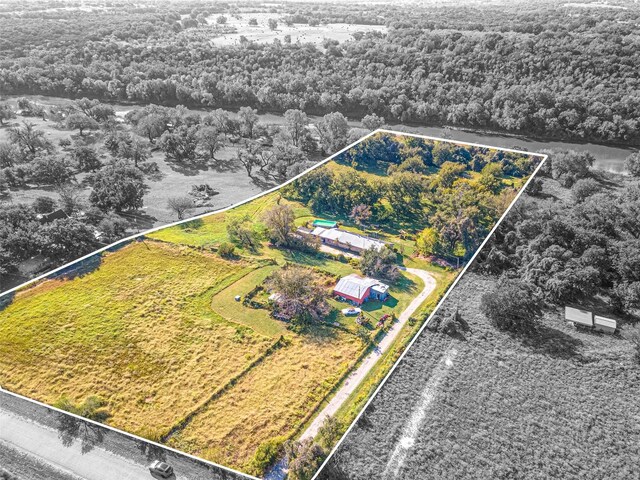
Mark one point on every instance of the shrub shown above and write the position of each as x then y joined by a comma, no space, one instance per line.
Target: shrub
44,204
266,454
633,335
364,335
511,306
584,188
226,249
632,164
329,433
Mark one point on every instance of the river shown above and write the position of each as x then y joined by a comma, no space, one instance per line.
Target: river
610,158
607,157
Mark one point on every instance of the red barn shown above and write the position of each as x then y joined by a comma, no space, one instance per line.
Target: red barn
359,289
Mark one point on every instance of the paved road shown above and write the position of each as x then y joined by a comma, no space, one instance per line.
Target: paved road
370,360
32,432
35,439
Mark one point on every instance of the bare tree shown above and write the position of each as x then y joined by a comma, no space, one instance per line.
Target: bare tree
180,206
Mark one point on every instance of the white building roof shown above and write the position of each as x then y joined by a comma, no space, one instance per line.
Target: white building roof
576,315
348,238
606,322
356,286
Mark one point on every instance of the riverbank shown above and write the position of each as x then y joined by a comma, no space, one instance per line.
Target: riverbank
609,157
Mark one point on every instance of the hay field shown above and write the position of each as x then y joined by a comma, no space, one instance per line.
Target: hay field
272,400
136,332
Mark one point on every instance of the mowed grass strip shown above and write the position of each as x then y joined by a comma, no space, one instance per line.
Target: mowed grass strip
259,319
272,399
137,332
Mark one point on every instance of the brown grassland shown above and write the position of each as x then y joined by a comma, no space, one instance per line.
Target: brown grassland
132,332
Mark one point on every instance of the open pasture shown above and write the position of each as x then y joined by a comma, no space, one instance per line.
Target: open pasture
136,332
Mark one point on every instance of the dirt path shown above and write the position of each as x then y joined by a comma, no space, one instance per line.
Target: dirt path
370,360
412,428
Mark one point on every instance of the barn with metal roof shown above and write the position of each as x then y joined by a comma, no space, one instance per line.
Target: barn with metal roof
360,289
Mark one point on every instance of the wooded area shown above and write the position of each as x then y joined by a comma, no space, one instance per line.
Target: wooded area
542,70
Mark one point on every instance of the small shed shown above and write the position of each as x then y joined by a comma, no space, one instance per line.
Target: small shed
578,317
275,297
603,324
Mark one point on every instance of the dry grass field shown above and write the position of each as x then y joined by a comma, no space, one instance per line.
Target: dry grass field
272,400
136,332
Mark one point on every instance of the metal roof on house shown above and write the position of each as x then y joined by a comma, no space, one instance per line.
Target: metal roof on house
348,238
356,286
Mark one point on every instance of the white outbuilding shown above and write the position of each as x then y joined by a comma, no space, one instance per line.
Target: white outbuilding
603,324
578,317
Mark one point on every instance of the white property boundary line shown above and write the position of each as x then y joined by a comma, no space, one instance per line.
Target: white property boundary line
449,290
384,380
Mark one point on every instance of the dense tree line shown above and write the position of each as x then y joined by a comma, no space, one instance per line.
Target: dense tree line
576,248
446,196
547,71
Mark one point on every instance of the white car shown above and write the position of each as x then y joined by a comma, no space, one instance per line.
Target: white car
351,311
161,468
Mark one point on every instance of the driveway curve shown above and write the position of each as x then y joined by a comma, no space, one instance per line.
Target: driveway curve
354,379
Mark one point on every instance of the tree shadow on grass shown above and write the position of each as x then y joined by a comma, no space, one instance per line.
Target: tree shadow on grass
152,452
71,429
223,165
190,170
262,183
79,268
6,300
554,343
373,305
194,224
318,333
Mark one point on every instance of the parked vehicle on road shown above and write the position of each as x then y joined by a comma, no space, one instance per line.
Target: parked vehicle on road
162,469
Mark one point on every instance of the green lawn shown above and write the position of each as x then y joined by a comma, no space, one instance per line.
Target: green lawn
258,319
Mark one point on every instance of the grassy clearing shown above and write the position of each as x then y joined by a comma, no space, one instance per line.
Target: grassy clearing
133,332
272,400
212,229
558,404
258,319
